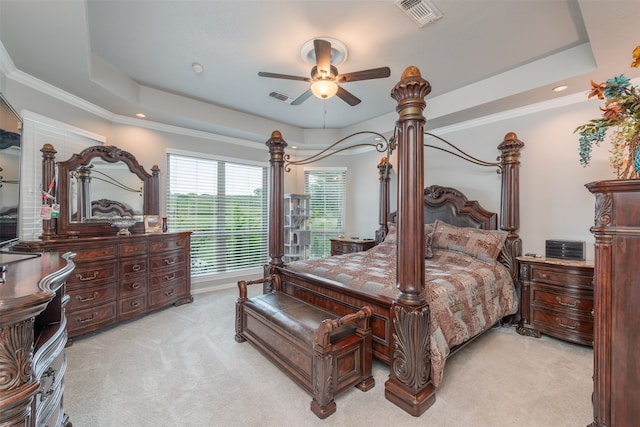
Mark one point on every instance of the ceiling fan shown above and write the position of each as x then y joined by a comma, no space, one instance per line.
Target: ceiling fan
325,78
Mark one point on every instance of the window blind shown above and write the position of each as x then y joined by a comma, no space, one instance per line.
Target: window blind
224,204
326,207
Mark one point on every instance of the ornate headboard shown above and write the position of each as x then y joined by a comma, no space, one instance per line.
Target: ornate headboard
453,207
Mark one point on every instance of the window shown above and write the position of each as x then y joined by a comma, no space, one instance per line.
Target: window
327,190
224,204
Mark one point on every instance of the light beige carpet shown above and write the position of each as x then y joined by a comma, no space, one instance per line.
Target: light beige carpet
182,367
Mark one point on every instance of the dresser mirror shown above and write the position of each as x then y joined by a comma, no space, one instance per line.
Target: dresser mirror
103,182
10,130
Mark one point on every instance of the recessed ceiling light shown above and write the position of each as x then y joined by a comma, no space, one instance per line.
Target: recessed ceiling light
294,147
141,115
197,68
560,88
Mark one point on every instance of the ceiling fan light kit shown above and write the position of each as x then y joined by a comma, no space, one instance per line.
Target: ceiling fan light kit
324,89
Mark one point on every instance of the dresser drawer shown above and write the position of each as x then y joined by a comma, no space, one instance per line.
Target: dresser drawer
561,299
133,306
168,242
133,286
80,299
169,259
88,254
172,277
87,275
91,318
167,294
133,248
564,278
136,265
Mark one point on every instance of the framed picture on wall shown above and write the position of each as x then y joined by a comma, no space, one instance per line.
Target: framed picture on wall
152,224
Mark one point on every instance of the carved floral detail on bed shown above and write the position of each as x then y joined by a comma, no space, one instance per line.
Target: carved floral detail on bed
466,295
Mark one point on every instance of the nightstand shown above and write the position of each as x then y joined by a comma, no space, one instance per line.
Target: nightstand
556,299
344,245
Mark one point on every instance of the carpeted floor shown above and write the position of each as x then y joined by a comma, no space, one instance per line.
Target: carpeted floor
182,367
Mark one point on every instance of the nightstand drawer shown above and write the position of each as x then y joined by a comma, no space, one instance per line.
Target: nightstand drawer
548,275
561,299
578,329
347,246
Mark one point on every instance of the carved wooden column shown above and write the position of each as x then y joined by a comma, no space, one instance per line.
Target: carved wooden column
48,172
510,203
84,193
384,170
409,385
276,196
153,207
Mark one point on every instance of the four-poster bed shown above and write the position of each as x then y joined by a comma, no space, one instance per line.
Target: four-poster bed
401,321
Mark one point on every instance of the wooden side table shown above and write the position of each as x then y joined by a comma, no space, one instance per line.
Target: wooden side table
344,245
556,299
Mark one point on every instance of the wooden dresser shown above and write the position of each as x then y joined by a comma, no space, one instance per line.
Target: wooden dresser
616,377
341,246
121,277
32,340
556,298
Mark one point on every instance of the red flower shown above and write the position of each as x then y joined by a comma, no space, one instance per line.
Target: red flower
636,57
611,111
597,90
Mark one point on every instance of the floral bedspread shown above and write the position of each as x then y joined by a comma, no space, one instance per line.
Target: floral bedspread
466,296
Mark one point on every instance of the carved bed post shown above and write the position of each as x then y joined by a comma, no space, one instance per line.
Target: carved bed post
384,170
276,195
153,206
510,203
48,173
410,385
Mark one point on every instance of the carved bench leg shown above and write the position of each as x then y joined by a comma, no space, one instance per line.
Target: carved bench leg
323,404
368,382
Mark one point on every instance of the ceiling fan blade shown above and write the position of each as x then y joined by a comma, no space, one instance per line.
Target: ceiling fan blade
323,55
347,96
299,100
374,73
283,76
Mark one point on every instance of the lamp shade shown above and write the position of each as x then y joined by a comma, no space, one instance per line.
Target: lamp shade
324,89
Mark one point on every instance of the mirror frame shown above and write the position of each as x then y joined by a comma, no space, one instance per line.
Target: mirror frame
110,154
4,240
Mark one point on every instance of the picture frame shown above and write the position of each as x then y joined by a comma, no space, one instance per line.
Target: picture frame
152,224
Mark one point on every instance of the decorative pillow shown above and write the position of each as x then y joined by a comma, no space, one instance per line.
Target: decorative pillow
482,244
392,234
392,237
428,240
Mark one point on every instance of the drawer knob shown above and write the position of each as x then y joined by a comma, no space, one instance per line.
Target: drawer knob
564,325
87,278
91,298
170,276
135,285
169,293
135,303
170,261
136,267
567,304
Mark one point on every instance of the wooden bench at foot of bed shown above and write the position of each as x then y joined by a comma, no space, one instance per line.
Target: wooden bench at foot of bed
323,353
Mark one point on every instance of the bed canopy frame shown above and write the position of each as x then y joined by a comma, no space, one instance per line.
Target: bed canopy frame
409,385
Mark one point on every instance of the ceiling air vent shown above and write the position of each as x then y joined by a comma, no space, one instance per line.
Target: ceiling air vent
281,97
420,11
